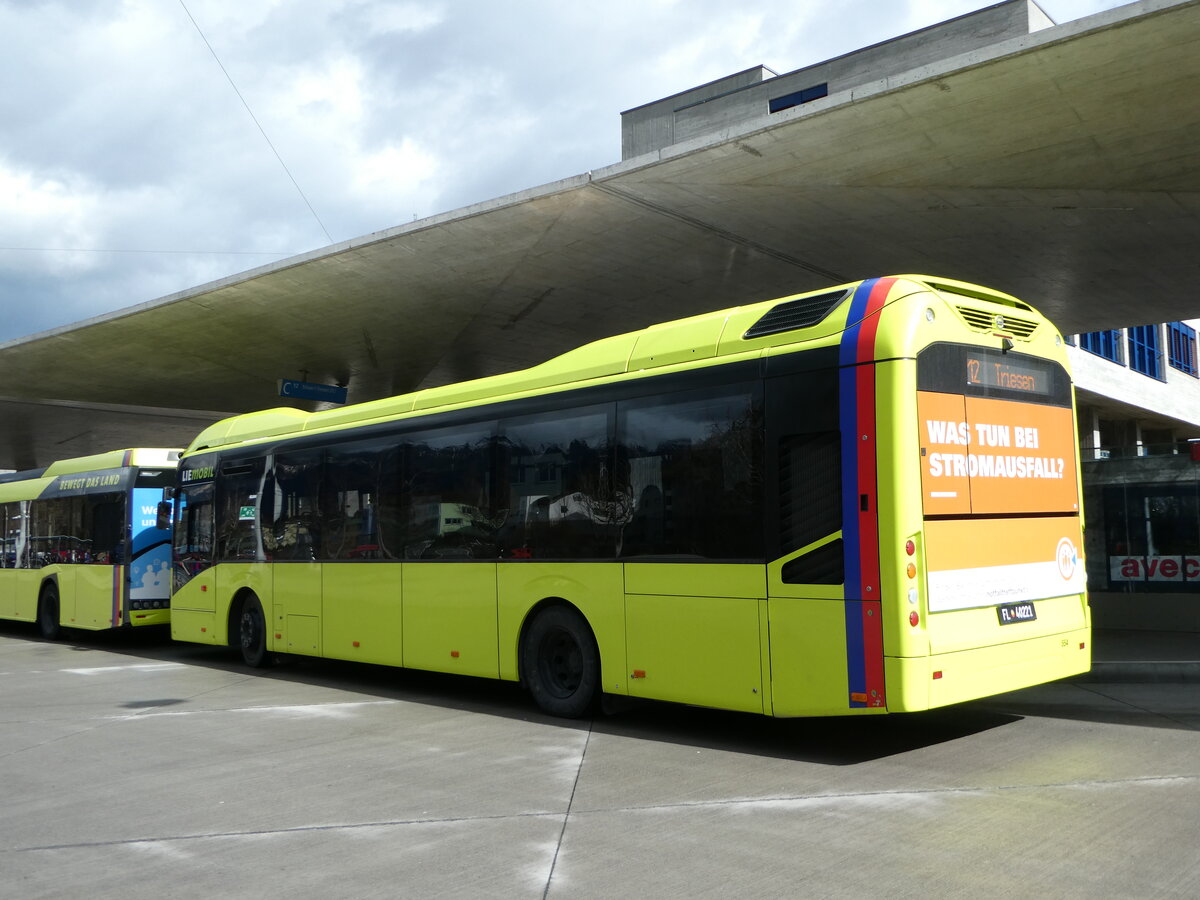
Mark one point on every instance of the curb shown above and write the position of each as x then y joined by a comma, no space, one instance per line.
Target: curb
1143,672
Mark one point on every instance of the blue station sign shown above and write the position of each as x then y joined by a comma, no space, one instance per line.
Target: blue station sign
307,390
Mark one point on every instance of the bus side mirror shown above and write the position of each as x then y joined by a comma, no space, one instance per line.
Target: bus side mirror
163,522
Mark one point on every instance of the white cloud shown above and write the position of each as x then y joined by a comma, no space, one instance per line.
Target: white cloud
392,18
43,216
124,134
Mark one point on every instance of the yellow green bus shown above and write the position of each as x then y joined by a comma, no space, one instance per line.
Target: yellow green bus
853,501
87,543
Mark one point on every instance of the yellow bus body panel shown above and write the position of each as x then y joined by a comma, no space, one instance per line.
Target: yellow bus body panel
196,626
693,633
93,597
808,657
193,611
19,593
8,594
362,613
595,589
900,512
294,616
449,614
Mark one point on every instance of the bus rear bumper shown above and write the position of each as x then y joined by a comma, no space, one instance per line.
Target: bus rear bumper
140,617
916,683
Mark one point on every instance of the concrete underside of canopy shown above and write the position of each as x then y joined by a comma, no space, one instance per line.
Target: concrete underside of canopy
1060,167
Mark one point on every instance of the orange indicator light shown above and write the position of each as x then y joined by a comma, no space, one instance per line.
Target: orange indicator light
355,643
454,654
638,673
912,571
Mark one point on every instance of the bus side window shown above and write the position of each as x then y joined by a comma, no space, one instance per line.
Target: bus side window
806,465
695,473
237,509
57,533
810,488
447,488
9,528
294,530
360,500
193,535
106,527
560,499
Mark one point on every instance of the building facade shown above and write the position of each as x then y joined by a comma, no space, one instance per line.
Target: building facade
1137,388
1138,394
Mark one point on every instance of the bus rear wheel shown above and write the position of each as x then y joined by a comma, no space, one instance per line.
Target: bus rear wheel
560,664
48,620
252,633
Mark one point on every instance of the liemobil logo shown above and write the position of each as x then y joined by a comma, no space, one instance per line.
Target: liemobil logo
1067,558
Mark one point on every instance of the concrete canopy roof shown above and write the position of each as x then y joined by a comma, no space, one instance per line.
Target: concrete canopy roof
1061,167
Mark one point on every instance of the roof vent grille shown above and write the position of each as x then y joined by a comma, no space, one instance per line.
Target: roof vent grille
982,320
795,314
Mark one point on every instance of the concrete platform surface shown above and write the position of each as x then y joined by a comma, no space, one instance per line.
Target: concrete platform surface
136,768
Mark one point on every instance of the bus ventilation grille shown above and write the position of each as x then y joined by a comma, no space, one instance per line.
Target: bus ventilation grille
982,320
795,314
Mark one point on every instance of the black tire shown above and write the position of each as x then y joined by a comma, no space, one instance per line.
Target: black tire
560,664
48,613
252,633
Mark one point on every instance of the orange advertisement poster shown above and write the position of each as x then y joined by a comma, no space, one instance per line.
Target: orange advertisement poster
985,562
1005,456
945,487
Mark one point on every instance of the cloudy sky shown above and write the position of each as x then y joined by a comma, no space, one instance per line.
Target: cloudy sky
148,146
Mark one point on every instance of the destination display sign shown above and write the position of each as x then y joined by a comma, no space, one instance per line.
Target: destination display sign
1010,375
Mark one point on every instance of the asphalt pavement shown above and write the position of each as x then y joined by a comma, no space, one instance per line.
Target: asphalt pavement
132,767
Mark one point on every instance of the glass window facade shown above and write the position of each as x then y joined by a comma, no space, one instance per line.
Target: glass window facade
1145,351
1181,347
1103,343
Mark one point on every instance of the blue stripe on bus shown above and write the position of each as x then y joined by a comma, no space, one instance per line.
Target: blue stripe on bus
851,537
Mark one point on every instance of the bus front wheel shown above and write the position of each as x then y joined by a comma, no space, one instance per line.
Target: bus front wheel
252,633
560,664
48,621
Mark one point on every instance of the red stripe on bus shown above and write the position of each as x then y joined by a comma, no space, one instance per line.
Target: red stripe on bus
116,593
868,519
870,321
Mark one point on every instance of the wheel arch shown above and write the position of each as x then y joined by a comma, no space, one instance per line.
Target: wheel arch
51,629
240,596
